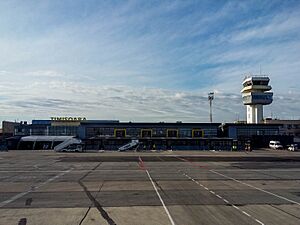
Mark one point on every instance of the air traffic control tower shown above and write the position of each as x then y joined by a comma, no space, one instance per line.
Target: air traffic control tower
256,93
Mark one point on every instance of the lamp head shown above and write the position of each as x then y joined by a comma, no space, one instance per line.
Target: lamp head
211,96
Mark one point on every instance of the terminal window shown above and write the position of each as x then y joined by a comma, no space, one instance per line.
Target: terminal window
172,133
197,133
120,133
146,133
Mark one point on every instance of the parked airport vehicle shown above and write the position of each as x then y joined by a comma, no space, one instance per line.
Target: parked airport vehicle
275,145
293,147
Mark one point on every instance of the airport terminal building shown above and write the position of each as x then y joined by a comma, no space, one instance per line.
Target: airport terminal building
112,134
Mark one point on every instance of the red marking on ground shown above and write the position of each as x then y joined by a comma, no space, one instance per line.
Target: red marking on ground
191,162
141,164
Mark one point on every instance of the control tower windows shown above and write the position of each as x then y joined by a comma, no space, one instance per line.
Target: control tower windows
260,82
255,82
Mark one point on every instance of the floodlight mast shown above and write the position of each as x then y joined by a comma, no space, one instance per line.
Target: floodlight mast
210,99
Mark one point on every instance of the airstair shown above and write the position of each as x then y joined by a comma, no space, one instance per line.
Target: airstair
133,143
66,143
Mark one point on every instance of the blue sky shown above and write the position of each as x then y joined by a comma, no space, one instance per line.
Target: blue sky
145,60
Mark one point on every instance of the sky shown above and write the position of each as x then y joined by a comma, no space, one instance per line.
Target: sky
146,60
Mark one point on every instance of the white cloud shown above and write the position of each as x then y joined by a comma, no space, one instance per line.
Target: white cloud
282,25
45,74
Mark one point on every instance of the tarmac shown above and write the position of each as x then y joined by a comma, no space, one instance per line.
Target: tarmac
154,188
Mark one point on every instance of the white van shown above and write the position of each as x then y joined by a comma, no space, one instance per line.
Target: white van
275,145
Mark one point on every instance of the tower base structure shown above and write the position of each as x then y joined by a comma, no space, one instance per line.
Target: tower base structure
254,113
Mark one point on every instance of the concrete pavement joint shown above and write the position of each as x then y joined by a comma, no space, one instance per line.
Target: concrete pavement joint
87,212
285,211
93,199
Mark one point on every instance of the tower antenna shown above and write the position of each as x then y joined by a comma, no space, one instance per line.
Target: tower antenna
260,70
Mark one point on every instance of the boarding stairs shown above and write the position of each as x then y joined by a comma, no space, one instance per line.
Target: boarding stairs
133,143
66,143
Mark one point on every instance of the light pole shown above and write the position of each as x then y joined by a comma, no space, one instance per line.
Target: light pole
210,99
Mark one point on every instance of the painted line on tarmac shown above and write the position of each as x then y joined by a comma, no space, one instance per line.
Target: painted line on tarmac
225,200
20,195
142,166
141,163
161,200
249,185
36,166
39,165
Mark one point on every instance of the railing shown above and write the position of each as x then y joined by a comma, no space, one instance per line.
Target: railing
249,76
129,145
